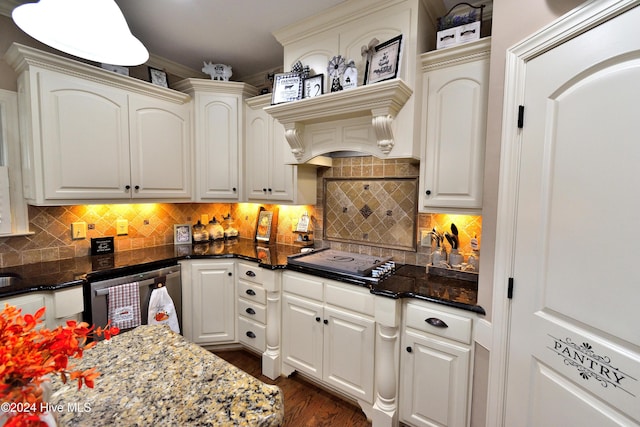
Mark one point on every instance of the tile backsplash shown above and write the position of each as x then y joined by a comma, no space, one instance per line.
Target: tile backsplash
469,226
152,224
371,211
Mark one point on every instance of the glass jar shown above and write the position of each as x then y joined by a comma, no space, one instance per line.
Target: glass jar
215,229
438,257
200,233
228,225
455,259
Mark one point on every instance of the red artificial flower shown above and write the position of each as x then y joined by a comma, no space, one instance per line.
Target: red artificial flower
27,354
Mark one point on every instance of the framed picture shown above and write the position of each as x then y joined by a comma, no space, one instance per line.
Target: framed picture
287,87
158,77
182,234
384,62
116,69
303,224
313,86
266,225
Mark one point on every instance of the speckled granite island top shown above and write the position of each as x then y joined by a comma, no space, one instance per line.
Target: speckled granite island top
151,376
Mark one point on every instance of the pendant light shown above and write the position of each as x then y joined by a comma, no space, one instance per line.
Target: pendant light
91,29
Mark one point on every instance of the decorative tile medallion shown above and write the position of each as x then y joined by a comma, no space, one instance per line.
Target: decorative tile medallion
371,211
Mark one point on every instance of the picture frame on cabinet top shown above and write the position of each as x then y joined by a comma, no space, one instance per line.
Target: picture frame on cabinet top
313,86
287,87
158,77
384,63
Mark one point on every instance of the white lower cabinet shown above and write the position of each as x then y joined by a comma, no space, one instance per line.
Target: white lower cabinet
208,293
328,333
435,365
62,305
252,306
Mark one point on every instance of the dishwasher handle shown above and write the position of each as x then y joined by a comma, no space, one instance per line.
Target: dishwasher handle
105,291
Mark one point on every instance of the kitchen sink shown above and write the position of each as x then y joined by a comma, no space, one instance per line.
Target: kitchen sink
9,280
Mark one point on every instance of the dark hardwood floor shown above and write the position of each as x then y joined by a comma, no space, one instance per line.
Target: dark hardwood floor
304,403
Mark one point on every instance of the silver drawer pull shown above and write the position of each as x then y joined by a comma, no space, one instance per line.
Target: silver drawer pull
434,321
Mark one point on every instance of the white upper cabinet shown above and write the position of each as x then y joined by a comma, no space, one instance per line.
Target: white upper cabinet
455,95
218,121
90,135
376,119
270,175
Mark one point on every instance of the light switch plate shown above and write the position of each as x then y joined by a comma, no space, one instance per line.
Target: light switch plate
425,237
122,227
78,230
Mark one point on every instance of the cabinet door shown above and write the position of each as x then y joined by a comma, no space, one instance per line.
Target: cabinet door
217,141
455,102
434,381
160,148
84,139
213,303
348,361
282,173
257,154
302,331
269,172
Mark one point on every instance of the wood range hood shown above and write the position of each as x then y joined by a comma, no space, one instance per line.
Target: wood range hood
355,120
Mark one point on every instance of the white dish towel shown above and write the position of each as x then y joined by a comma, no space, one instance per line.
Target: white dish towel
162,310
124,305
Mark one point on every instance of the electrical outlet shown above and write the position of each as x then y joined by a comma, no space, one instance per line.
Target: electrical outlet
78,230
122,227
425,237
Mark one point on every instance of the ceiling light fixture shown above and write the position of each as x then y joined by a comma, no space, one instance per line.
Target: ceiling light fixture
91,29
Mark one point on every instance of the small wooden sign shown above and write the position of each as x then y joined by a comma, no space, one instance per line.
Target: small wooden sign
102,245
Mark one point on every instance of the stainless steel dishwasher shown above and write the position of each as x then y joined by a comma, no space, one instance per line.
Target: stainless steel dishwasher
97,290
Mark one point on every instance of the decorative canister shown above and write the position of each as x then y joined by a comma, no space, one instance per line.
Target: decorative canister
200,233
215,229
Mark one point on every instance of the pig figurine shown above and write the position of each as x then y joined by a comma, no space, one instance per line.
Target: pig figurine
217,71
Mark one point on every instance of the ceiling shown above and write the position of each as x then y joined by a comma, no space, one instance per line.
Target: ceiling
233,32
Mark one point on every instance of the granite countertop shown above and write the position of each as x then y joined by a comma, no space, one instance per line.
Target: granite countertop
54,275
153,376
455,289
409,281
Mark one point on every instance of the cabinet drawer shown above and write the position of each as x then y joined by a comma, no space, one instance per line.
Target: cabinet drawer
68,302
255,274
252,292
252,310
252,334
302,285
351,297
458,327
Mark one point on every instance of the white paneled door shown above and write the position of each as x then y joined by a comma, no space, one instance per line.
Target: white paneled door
574,339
